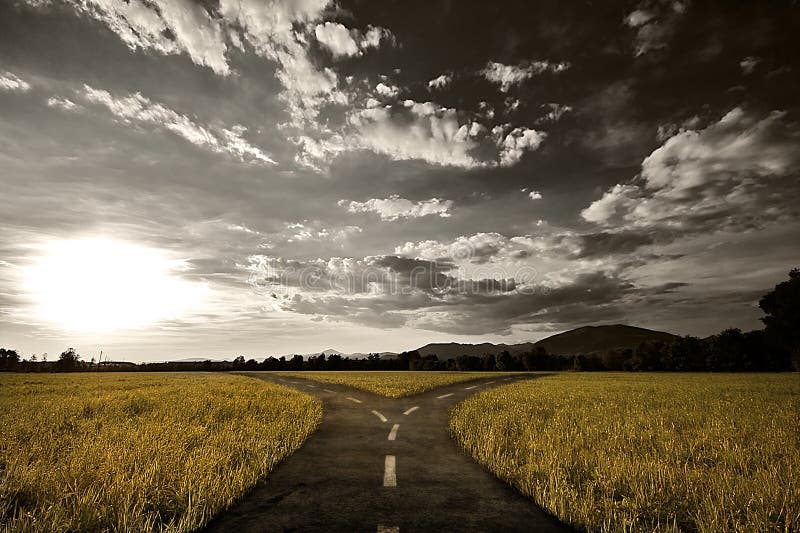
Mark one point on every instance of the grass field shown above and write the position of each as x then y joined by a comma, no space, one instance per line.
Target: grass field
393,384
652,452
138,452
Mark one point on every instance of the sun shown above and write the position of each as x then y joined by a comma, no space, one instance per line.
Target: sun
105,285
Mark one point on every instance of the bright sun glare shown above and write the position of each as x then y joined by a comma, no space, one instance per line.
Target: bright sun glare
103,285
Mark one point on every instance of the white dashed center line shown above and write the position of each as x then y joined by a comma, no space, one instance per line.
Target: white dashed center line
393,432
376,413
489,382
443,396
353,400
470,388
388,529
409,411
328,390
389,472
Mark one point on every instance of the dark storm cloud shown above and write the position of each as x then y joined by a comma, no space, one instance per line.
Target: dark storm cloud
393,291
605,243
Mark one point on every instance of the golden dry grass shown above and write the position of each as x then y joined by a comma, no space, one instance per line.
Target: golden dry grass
139,452
634,452
389,383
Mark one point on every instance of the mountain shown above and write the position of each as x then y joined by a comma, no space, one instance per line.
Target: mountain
584,340
331,351
601,339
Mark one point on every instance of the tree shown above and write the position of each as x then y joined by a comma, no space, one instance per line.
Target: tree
9,359
782,320
68,361
504,361
728,351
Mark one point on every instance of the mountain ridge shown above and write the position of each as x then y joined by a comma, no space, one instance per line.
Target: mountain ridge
582,340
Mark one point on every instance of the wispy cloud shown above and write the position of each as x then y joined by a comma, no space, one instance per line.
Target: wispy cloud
394,207
506,76
136,108
13,83
64,104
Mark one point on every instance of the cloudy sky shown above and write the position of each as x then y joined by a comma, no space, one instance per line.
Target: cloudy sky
214,177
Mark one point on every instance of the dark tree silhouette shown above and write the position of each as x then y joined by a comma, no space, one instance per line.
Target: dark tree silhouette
9,360
68,361
782,307
504,361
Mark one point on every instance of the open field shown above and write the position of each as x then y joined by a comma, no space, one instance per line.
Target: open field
139,452
392,384
653,452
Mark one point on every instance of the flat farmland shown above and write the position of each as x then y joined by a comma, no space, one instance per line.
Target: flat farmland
645,452
139,452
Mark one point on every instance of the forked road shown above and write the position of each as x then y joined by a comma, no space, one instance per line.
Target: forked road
381,464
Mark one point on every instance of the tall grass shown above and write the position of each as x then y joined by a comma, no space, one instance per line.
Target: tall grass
393,384
139,452
658,452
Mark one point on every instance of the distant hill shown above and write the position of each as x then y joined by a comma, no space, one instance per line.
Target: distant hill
584,340
331,351
195,360
600,339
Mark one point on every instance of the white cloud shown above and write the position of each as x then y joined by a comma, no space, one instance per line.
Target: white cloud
280,30
508,75
749,64
655,25
394,207
277,29
710,179
336,38
512,104
136,108
373,37
13,83
478,248
314,231
233,143
516,143
619,197
416,131
65,104
387,91
344,42
440,82
554,112
148,25
425,131
486,110
638,17
316,153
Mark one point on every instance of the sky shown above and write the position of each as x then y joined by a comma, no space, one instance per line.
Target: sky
264,177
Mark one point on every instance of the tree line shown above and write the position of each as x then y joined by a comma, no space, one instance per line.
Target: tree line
776,348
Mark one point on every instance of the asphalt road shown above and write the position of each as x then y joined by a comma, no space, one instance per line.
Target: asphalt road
361,472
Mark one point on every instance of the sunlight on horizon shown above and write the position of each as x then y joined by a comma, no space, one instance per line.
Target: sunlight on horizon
104,285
